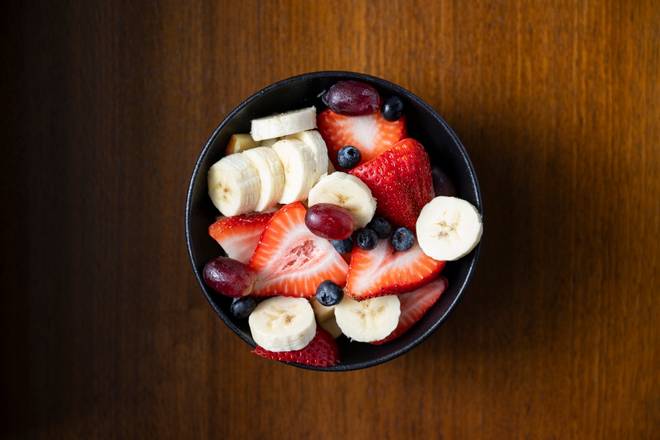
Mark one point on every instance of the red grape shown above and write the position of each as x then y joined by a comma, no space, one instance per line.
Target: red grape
329,221
352,98
441,183
229,277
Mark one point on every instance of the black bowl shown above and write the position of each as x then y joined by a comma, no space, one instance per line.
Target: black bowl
424,124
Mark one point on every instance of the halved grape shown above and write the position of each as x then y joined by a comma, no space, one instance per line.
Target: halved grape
352,98
329,221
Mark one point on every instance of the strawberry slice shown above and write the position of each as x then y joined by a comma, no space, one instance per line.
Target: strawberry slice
322,351
290,260
400,179
383,271
371,134
239,235
414,305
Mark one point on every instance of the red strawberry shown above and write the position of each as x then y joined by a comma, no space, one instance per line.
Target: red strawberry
322,351
290,260
383,271
414,305
239,235
371,134
400,179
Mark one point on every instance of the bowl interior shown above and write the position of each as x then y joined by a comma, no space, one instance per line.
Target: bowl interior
424,124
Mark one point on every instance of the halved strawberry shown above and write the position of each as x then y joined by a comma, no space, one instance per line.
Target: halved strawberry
239,235
371,134
383,271
290,260
322,351
400,179
414,305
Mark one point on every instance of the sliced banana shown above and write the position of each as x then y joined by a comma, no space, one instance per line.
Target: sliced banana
368,320
239,142
268,142
283,323
299,168
316,145
234,185
271,174
283,124
325,317
448,228
322,313
330,326
347,191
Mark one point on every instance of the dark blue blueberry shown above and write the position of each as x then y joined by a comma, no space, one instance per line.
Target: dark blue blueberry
366,238
348,157
392,108
328,293
242,307
381,226
343,246
402,239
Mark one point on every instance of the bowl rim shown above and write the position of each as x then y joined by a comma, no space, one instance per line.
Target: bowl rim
340,74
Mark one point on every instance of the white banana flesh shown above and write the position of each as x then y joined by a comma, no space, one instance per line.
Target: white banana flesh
299,168
239,142
448,228
234,185
368,320
325,317
316,145
283,124
347,191
271,174
283,324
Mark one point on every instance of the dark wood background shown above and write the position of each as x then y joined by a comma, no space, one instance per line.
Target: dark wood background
105,333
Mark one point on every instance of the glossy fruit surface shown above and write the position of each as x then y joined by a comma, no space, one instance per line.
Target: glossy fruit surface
392,108
229,277
366,238
352,98
402,239
242,307
329,293
329,221
348,157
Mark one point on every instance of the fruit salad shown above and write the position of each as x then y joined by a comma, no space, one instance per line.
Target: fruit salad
334,225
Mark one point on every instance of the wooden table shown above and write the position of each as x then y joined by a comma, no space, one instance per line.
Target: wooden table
105,332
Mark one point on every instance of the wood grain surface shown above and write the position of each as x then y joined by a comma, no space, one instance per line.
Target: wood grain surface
105,333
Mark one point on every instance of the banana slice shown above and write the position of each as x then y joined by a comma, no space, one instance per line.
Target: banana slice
347,191
448,228
283,124
271,174
369,320
330,326
325,317
239,142
299,167
322,313
268,142
234,185
316,145
283,323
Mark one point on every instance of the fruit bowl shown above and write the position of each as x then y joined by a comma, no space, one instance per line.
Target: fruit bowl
443,146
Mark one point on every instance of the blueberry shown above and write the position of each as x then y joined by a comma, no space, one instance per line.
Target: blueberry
242,307
392,108
403,239
348,157
343,246
381,226
328,293
366,238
